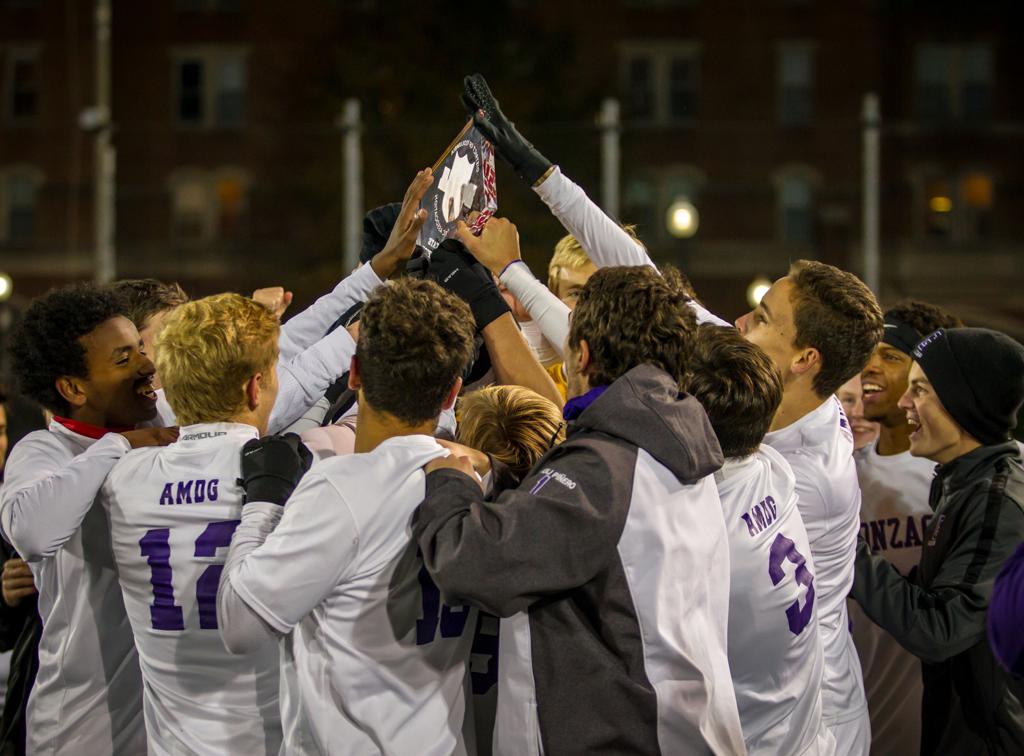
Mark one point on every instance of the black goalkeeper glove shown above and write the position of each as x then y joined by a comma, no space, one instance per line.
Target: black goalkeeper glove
273,466
456,270
501,132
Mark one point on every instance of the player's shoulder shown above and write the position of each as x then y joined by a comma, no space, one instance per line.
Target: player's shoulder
41,448
137,462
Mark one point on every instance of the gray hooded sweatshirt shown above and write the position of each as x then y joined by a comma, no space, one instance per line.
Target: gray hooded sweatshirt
609,565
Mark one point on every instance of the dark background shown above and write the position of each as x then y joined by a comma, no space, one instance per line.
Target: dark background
229,157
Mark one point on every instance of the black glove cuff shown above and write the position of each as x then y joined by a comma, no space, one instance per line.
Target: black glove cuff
533,166
269,488
487,307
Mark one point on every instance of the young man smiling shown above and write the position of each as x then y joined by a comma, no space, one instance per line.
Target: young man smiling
966,387
894,513
78,356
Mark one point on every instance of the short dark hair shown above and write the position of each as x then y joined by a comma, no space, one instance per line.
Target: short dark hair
143,298
46,344
631,316
738,385
923,317
835,313
415,339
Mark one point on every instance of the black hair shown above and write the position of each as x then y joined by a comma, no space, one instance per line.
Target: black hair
46,344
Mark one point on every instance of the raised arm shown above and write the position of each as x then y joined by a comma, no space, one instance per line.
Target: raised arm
498,251
309,326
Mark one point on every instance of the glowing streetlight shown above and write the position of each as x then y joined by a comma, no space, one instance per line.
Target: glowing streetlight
682,219
757,289
6,287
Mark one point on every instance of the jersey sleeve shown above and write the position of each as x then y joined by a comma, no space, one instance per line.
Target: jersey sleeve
549,312
553,533
304,379
604,240
309,326
300,560
44,500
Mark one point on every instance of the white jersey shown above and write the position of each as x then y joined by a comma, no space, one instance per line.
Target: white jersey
87,697
173,511
894,512
373,660
773,623
819,449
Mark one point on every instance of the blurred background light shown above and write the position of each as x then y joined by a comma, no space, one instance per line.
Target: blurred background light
6,287
682,219
757,289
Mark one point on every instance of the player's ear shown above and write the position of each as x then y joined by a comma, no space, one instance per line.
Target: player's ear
253,387
806,361
355,380
449,401
71,390
583,357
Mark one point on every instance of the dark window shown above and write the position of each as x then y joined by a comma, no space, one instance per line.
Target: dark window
20,198
796,209
682,83
954,83
795,86
230,103
640,88
24,86
191,75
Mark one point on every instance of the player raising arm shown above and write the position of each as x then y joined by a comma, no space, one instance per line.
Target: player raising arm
819,325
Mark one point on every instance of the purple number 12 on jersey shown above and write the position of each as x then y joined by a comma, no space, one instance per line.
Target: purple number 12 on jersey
782,550
155,545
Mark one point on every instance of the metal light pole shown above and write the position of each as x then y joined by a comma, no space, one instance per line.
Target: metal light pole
104,159
611,158
871,121
351,184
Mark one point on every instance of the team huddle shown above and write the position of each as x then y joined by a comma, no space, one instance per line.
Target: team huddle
450,509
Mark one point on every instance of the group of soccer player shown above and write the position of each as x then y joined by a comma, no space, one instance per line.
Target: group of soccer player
450,509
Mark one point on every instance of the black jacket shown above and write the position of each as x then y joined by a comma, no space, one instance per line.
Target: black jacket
20,629
938,613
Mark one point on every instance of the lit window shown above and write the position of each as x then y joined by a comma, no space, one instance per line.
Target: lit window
207,206
660,81
959,209
796,217
796,81
191,210
954,83
211,88
22,85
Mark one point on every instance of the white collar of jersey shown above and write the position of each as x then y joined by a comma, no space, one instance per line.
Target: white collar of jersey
734,467
203,432
816,425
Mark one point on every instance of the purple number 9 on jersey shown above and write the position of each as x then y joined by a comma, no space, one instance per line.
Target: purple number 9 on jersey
784,550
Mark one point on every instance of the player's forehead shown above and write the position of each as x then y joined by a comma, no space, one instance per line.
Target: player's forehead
110,337
777,301
917,375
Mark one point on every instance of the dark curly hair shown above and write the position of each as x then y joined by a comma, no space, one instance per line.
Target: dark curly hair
45,343
630,316
415,339
923,317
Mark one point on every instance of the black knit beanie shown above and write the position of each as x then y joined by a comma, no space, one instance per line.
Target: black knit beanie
978,376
